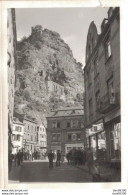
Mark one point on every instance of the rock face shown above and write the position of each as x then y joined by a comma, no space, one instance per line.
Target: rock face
47,75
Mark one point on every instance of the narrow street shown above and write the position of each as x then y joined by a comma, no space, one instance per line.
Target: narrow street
40,172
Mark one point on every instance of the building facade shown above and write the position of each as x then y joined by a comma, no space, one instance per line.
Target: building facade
42,138
17,135
102,89
65,129
11,63
30,134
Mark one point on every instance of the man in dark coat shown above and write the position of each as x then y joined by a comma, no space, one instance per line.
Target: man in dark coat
18,158
50,158
89,159
68,156
58,158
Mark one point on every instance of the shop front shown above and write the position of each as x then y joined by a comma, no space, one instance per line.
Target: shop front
96,140
69,147
113,131
56,146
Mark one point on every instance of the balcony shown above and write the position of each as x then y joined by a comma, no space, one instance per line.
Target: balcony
107,103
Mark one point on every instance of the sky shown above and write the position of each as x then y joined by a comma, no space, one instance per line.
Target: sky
71,23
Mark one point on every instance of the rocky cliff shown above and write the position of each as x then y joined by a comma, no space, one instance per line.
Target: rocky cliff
47,75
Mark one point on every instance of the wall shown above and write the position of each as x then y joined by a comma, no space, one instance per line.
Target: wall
18,144
106,69
11,63
30,134
64,130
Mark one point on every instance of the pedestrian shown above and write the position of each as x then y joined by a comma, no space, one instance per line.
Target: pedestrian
10,160
50,158
15,159
30,155
55,156
62,157
96,172
68,156
18,158
89,159
21,156
58,158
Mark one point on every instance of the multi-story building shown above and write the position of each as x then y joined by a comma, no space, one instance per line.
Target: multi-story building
17,135
30,131
30,134
102,88
42,138
65,129
11,63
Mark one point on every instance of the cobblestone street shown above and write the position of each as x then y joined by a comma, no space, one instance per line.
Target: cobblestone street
39,172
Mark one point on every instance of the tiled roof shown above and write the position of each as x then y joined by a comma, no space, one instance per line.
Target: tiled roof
16,121
71,111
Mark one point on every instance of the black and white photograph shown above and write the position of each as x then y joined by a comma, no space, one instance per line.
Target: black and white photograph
64,119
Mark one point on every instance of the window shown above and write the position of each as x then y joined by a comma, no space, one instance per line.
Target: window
54,137
54,124
74,123
58,124
16,137
58,137
108,51
68,124
90,107
74,136
31,138
69,137
28,127
78,135
32,128
97,98
35,128
80,124
17,128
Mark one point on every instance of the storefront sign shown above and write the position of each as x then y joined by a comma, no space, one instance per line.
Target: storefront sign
94,129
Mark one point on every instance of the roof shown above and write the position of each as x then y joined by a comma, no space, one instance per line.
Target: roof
69,108
69,111
31,120
16,121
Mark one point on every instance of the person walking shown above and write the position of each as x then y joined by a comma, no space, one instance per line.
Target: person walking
21,156
58,158
15,160
68,156
89,159
62,157
50,158
18,158
30,155
96,172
